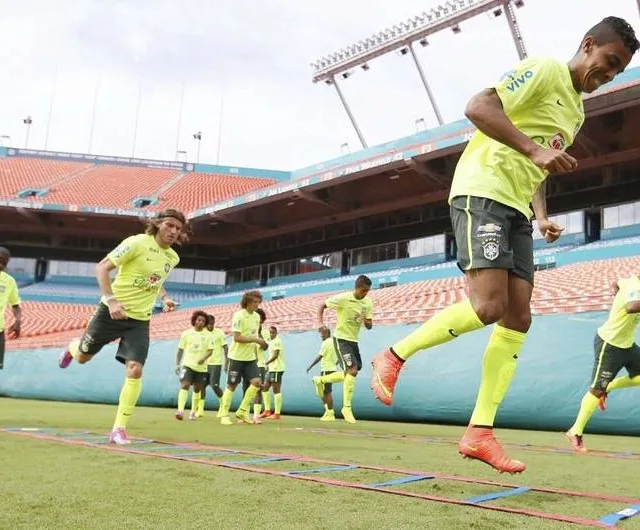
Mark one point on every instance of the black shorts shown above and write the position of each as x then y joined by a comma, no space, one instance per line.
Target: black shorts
102,329
213,372
192,377
609,360
275,377
328,387
491,235
1,349
348,353
263,378
242,370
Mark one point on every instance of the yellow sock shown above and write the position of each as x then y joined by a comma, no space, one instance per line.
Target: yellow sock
623,382
277,400
248,398
335,377
498,367
74,348
201,404
257,409
440,328
587,408
266,400
225,403
347,390
195,402
183,395
128,398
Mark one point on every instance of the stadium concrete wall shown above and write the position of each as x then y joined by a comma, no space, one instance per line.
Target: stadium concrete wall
437,386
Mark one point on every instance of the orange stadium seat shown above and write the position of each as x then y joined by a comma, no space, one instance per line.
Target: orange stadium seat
570,289
110,186
17,174
195,190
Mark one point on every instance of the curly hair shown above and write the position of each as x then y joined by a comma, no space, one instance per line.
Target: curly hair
196,314
153,224
611,28
246,297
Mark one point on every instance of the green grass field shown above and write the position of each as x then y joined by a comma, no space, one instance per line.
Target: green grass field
54,485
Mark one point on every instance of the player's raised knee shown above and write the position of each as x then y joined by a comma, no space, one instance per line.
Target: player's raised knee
491,310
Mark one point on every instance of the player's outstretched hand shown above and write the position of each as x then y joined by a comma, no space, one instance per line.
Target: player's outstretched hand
14,331
549,230
553,160
169,305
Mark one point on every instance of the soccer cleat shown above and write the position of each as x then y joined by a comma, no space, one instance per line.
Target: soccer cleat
119,436
192,416
199,414
265,414
256,420
329,415
602,402
274,417
224,420
319,386
385,371
179,415
244,417
347,414
576,442
479,443
65,359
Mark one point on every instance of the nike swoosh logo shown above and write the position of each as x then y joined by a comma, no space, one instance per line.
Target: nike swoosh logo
559,103
471,447
452,333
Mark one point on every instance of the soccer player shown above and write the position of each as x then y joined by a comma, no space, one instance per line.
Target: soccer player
524,122
144,262
214,363
275,366
353,308
194,348
8,296
261,352
614,349
245,326
328,359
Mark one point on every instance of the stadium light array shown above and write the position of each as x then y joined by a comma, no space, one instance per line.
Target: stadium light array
401,37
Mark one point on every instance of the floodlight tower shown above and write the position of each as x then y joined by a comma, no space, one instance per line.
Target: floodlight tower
401,37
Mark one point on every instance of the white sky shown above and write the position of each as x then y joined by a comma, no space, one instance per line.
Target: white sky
257,52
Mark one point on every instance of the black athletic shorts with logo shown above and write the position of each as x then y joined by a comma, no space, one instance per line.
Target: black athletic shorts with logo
242,370
263,378
102,329
192,377
348,353
275,377
609,360
491,235
214,371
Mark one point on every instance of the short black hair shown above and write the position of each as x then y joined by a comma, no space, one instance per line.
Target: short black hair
363,280
274,329
197,314
210,319
5,252
611,28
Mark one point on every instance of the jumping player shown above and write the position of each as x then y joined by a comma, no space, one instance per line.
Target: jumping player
328,359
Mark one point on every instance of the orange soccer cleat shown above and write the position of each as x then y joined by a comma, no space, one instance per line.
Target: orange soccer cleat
479,443
386,368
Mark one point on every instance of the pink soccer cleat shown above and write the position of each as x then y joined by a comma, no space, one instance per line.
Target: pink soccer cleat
384,375
65,359
119,436
179,415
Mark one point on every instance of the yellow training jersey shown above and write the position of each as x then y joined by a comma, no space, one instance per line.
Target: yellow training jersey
8,295
247,324
143,268
350,312
619,329
195,345
263,355
276,345
540,100
329,356
217,345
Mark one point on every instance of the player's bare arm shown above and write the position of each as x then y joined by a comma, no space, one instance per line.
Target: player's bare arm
116,309
321,325
549,230
169,303
242,339
315,361
485,111
275,355
633,307
14,330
